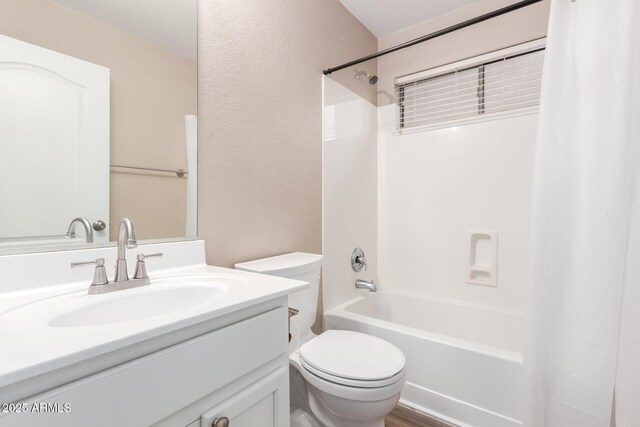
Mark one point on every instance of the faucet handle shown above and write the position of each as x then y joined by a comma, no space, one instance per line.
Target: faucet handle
142,257
99,274
358,260
141,269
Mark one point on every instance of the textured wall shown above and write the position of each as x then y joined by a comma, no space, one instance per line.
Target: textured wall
151,91
513,28
260,121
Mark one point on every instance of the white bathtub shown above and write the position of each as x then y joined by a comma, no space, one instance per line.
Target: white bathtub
464,362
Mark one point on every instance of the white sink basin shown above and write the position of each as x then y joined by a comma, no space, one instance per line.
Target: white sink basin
164,296
127,307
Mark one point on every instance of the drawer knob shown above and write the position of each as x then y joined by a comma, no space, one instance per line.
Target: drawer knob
220,422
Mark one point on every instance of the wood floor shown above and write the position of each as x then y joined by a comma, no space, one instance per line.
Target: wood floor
403,416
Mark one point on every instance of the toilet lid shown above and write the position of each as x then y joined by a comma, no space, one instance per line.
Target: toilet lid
352,355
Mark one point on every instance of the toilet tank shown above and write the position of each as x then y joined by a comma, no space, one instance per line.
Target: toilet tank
299,266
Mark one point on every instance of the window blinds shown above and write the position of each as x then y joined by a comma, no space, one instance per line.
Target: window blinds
499,85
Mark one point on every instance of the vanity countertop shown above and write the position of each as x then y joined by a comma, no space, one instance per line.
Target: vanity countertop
38,353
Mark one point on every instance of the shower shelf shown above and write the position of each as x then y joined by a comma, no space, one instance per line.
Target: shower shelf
481,258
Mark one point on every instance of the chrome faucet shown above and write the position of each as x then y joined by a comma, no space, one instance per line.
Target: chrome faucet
366,284
126,240
88,231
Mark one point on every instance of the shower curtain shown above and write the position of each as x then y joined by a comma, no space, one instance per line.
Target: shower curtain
584,307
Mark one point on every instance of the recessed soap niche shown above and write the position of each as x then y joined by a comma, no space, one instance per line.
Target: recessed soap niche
481,258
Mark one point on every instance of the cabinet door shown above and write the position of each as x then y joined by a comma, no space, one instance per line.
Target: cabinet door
264,404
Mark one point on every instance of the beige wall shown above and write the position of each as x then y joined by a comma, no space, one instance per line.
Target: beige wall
513,28
260,128
151,91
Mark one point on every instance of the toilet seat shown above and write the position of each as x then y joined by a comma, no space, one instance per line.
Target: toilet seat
351,382
364,394
353,359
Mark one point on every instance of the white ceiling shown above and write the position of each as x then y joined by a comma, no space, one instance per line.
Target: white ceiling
171,24
384,17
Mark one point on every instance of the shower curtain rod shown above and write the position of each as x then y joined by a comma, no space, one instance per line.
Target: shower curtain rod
456,27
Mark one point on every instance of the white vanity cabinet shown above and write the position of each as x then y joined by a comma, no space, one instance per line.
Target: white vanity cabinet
239,371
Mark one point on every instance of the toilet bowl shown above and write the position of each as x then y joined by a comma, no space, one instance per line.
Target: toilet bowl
338,378
352,379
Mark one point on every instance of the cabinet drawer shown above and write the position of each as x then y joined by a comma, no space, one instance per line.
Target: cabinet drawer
151,388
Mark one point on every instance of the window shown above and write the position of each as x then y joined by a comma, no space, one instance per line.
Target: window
473,89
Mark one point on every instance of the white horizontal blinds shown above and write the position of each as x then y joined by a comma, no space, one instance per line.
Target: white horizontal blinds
502,84
447,97
514,82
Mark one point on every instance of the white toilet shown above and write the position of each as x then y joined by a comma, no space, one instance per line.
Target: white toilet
340,378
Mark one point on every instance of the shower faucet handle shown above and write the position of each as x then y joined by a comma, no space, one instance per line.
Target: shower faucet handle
358,261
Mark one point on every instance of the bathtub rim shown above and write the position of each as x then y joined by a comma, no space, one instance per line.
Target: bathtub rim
487,350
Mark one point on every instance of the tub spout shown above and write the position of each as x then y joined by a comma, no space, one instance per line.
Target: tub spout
366,284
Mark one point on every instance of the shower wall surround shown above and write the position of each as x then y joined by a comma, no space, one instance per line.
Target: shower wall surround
350,190
435,186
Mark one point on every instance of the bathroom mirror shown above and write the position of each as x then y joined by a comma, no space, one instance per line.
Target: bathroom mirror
97,121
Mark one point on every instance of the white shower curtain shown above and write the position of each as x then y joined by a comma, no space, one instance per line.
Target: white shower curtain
584,306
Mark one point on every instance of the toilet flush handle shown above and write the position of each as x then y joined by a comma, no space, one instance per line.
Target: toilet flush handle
292,312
